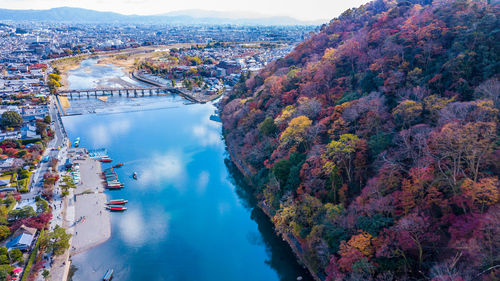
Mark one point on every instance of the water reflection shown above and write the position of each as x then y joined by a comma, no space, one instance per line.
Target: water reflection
131,229
202,183
102,134
168,168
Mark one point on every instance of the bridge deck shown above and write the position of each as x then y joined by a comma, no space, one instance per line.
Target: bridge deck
135,91
117,89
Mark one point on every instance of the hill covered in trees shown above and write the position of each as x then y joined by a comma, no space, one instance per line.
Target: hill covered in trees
374,144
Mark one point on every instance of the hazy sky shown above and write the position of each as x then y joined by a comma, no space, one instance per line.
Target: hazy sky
300,9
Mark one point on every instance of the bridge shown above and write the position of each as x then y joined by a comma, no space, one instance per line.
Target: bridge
128,92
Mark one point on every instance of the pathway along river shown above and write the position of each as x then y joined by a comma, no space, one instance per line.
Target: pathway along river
187,219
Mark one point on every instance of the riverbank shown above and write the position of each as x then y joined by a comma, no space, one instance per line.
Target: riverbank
84,215
93,225
247,173
64,65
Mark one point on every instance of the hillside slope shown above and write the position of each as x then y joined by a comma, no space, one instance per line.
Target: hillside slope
374,145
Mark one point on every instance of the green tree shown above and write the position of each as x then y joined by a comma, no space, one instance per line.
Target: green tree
15,255
281,169
267,127
4,232
66,184
45,274
41,204
11,119
4,259
58,240
24,212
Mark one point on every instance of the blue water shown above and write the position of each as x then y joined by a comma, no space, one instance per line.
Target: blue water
186,218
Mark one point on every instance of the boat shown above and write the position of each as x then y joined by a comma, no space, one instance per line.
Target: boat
105,160
108,275
118,165
114,183
77,142
117,202
134,175
116,208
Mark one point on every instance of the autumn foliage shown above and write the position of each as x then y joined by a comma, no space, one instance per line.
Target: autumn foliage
374,144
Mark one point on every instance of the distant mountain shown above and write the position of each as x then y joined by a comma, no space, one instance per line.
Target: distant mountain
68,14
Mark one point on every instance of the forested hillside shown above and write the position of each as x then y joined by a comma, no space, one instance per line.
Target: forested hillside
374,145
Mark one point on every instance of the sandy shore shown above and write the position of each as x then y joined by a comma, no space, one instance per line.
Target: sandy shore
66,64
95,226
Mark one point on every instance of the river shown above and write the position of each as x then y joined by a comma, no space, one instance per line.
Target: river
187,219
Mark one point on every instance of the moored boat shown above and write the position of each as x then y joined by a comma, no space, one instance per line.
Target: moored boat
106,160
116,208
117,202
115,186
118,165
77,142
108,275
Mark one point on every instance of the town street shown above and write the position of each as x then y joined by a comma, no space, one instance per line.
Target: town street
36,183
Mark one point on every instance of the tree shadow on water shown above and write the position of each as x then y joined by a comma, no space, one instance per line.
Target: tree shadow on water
281,256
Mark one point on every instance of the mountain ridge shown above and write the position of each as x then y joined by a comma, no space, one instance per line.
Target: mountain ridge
185,17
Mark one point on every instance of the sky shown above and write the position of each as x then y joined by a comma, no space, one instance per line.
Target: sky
299,9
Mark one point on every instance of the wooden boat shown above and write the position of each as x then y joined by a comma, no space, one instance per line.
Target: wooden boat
113,182
116,208
117,202
118,165
106,160
77,142
117,186
134,175
108,275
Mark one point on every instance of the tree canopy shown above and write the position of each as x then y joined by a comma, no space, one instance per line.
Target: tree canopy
11,119
374,143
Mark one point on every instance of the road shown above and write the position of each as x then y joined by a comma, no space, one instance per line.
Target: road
36,183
